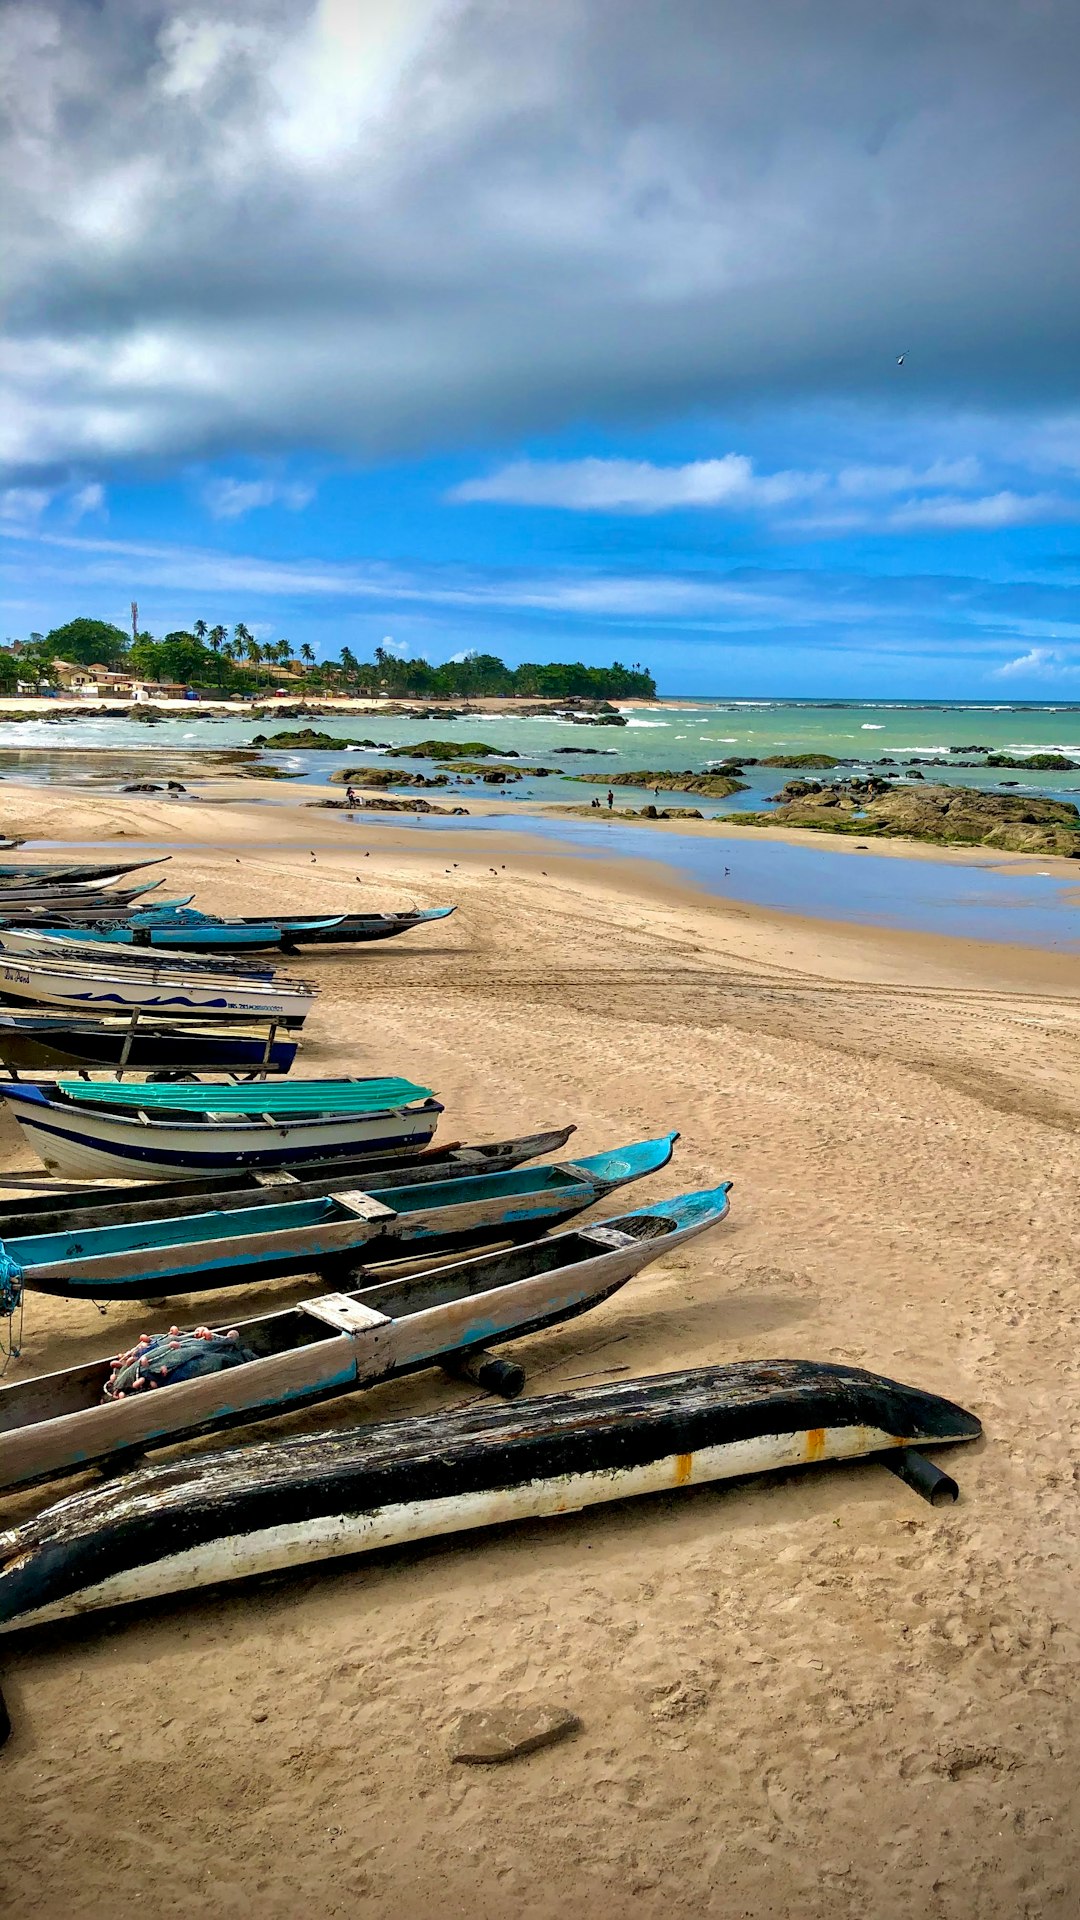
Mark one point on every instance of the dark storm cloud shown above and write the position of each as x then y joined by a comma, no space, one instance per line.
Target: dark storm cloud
368,225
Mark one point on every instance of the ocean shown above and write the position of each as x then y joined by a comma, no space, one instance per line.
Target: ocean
680,735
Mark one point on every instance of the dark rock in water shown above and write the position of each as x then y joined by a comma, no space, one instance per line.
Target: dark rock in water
310,737
1036,762
493,1735
452,750
800,760
380,804
666,780
973,748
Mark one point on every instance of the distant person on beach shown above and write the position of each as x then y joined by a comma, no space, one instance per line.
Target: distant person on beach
350,796
610,799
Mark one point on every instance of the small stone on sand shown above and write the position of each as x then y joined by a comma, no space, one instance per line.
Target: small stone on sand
494,1734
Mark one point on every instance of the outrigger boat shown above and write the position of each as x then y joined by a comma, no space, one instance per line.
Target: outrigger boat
59,1208
277,1233
41,894
104,986
176,1131
55,1042
262,1509
331,1345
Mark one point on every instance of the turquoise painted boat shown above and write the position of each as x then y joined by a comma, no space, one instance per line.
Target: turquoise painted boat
234,1246
338,1342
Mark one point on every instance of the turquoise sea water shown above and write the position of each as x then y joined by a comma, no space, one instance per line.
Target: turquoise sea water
690,734
991,901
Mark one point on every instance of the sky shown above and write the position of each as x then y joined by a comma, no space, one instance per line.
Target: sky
739,341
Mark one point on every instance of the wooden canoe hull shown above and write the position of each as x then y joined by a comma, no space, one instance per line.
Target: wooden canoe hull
255,1510
280,1235
49,1212
59,1422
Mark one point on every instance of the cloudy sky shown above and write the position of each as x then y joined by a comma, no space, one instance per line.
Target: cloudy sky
738,339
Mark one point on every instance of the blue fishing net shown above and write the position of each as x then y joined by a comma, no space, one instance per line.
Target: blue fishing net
165,1359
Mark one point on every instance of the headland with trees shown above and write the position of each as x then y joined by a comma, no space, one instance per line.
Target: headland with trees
215,659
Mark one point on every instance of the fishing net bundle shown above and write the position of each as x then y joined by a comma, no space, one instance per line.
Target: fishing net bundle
11,1304
165,1359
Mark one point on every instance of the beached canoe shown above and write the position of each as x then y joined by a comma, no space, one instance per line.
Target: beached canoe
90,1128
87,910
87,946
290,930
102,986
306,930
330,1345
58,1204
233,1246
262,1509
55,1042
59,874
180,936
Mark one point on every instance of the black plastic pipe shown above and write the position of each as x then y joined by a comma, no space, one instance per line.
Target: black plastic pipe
919,1473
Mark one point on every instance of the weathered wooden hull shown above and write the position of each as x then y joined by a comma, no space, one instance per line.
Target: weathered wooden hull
91,1143
57,874
262,1509
41,1043
340,1342
238,1246
355,929
51,1210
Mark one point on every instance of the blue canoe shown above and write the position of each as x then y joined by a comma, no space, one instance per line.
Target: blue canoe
233,1246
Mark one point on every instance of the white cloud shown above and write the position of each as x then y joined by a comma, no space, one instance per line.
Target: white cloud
22,506
230,499
399,647
1040,662
88,499
988,514
638,486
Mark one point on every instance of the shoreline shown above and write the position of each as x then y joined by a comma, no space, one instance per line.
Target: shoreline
856,948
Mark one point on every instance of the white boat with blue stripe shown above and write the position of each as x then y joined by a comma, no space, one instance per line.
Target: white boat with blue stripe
156,1131
105,986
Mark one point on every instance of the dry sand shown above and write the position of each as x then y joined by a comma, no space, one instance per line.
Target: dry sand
814,1696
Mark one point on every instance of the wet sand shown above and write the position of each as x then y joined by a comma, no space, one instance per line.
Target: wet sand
811,1696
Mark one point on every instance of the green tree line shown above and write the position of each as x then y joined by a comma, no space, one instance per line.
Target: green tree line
234,661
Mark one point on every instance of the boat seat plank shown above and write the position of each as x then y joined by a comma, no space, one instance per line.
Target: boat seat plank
607,1236
344,1314
364,1205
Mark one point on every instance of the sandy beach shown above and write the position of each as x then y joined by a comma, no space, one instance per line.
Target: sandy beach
811,1696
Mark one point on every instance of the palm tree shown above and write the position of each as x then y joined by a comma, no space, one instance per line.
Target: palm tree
216,638
199,629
